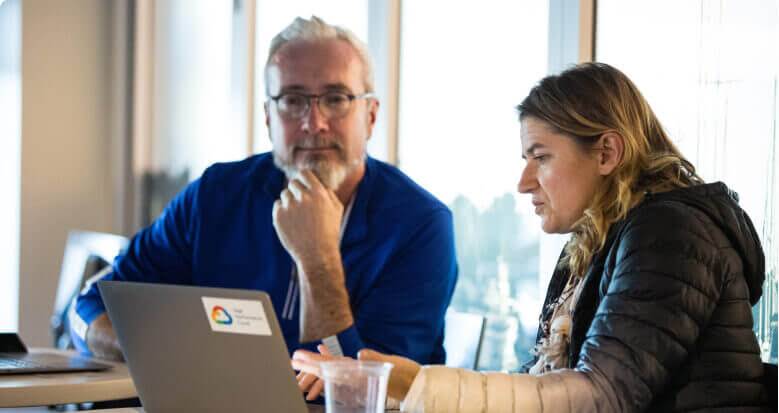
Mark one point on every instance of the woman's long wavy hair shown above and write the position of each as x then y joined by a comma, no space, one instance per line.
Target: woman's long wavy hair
586,101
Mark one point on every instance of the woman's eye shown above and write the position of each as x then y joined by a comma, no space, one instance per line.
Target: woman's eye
541,158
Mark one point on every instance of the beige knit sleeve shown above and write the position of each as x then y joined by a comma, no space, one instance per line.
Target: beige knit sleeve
439,389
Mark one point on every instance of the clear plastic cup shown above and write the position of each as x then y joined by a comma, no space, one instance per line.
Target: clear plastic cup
353,386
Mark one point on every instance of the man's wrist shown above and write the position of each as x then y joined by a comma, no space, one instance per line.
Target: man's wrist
324,300
101,340
326,262
325,310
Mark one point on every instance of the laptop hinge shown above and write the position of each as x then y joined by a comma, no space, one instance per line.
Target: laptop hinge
11,343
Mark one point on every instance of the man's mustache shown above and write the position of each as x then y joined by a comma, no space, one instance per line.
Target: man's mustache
318,142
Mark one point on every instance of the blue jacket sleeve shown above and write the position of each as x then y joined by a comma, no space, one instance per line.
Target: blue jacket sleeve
403,313
160,253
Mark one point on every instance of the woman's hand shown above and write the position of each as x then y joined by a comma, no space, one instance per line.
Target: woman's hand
402,374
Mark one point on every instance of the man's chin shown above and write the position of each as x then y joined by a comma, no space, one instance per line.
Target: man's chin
329,174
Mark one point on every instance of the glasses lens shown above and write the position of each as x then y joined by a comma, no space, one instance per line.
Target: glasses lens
293,105
334,104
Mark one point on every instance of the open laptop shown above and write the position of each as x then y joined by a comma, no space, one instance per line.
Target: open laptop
16,359
202,349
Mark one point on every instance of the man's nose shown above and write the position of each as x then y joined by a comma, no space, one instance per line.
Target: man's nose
314,121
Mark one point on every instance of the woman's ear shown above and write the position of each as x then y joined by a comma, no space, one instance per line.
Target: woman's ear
612,148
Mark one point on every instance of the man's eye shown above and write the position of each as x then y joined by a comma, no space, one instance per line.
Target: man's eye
335,99
293,100
541,158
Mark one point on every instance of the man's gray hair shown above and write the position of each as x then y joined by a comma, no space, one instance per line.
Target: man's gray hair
317,29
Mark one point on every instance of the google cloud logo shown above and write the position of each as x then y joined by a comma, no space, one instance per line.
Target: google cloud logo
220,315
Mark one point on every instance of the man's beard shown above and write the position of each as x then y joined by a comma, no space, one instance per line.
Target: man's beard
332,173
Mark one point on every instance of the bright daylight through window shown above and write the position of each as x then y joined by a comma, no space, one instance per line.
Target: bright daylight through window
459,138
709,69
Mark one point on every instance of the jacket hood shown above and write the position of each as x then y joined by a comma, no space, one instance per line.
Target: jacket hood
720,204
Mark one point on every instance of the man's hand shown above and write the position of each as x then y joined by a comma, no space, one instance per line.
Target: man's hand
403,373
307,218
309,376
101,339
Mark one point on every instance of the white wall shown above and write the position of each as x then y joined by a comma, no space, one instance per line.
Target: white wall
66,144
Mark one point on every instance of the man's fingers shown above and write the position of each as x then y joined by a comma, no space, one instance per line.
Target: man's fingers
310,180
306,382
296,188
308,367
315,390
333,197
285,197
304,365
304,179
305,355
324,350
370,355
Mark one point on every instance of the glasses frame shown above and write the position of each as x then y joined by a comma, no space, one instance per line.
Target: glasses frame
309,97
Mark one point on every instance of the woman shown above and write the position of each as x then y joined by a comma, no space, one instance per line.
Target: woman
649,307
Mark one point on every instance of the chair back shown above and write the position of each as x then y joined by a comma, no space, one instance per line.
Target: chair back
462,339
86,254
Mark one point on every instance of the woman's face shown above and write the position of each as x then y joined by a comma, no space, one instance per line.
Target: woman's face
560,175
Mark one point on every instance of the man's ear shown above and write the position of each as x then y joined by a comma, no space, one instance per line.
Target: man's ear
373,112
267,118
612,149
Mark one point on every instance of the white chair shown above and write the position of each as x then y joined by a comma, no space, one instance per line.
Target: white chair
462,339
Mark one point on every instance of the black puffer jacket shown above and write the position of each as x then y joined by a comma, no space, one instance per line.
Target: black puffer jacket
663,322
664,319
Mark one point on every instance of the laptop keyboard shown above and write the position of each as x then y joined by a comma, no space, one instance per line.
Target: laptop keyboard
11,363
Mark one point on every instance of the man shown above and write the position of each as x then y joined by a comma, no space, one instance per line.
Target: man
351,251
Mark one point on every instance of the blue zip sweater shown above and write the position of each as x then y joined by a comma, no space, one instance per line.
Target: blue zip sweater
397,250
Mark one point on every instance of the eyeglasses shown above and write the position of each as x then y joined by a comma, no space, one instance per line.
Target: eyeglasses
332,105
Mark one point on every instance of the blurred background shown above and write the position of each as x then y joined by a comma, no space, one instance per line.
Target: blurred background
109,107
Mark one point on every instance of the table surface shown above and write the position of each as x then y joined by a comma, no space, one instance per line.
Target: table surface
312,408
17,390
20,390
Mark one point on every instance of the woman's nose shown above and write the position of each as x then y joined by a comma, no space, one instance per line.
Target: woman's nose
527,180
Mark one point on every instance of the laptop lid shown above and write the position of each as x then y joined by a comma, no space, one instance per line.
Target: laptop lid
15,359
202,349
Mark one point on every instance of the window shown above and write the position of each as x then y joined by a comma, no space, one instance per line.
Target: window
10,158
196,108
709,69
459,138
198,118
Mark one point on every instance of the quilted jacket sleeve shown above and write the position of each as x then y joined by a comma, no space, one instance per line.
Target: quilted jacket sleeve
662,288
443,389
